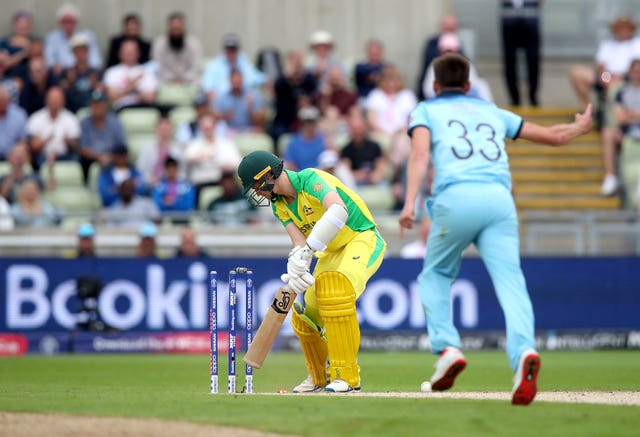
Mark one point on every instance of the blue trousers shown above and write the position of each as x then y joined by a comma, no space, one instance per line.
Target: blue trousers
483,214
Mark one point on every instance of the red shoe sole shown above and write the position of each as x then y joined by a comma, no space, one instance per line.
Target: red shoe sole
446,382
528,387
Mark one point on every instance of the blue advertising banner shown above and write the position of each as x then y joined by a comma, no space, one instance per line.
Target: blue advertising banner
171,294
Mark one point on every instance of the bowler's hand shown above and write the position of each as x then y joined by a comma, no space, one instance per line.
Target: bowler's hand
406,219
585,120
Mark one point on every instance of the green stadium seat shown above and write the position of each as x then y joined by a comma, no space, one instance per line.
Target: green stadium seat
207,194
66,173
377,198
136,141
74,199
182,114
252,141
139,120
176,94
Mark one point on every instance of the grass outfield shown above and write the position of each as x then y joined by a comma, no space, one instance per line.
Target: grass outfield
177,387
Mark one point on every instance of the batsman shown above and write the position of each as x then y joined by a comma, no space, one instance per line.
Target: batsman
330,222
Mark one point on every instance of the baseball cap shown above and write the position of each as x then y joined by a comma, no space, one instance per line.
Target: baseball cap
308,113
98,96
321,37
231,41
120,149
79,40
86,230
328,159
148,230
200,99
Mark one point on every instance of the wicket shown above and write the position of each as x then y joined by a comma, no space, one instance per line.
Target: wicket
213,328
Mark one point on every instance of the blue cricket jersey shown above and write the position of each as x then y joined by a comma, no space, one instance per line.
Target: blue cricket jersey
467,139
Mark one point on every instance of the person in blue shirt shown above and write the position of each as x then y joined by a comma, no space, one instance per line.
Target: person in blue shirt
305,147
173,193
471,202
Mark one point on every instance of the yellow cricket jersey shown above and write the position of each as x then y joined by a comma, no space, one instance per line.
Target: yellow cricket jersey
312,185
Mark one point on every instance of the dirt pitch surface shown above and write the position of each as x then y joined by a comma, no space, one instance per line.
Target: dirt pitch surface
32,424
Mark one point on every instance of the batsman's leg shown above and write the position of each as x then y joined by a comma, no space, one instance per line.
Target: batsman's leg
314,348
337,302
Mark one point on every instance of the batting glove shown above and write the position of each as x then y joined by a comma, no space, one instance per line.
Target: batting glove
299,284
299,261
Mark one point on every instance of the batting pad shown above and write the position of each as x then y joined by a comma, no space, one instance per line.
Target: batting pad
337,303
313,345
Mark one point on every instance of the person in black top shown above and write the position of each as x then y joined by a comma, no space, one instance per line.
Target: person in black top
131,29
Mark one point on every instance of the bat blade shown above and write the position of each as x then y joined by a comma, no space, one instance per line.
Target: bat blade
270,327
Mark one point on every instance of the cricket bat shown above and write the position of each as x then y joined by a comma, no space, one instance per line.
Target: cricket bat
270,326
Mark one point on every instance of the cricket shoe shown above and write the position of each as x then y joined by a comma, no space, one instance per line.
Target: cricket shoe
525,381
340,386
307,386
448,367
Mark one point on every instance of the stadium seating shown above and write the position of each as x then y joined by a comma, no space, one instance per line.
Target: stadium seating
207,194
139,120
630,170
181,114
74,199
176,94
249,141
66,173
136,141
376,197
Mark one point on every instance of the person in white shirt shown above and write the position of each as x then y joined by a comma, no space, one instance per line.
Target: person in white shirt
389,105
613,60
177,53
53,130
208,156
130,83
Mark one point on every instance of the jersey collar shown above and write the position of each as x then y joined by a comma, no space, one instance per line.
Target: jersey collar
451,93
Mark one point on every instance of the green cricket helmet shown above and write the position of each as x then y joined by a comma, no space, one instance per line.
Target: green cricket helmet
258,172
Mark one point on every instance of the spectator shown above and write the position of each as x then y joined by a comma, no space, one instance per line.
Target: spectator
131,30
36,84
30,210
215,80
129,83
322,59
521,30
295,84
243,109
20,72
613,59
8,78
336,101
171,192
130,209
363,156
450,43
52,130
389,105
367,73
329,161
115,173
6,218
101,131
86,247
16,45
448,24
208,156
417,249
57,43
626,114
178,54
80,80
268,61
190,130
147,232
231,207
13,123
306,145
188,246
153,156
19,158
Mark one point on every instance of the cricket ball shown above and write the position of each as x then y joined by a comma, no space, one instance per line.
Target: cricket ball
425,387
